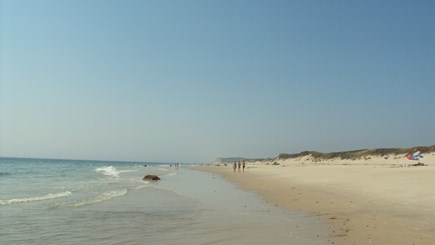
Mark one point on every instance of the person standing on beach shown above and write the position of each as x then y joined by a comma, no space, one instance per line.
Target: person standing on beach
234,166
243,165
239,166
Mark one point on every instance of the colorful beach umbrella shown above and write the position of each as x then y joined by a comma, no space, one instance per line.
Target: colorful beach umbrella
415,157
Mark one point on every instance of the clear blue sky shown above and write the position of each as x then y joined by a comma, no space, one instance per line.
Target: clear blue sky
195,80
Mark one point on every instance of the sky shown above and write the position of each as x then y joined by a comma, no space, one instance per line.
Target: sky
190,81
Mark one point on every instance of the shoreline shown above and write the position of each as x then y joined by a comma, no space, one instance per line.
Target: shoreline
363,204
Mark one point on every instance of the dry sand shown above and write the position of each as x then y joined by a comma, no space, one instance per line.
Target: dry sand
374,201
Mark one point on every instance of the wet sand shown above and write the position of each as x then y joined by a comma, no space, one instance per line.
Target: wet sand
363,202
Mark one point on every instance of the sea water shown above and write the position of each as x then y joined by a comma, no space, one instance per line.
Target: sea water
95,202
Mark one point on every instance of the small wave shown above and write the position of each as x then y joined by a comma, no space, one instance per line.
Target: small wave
108,171
142,186
3,173
100,198
128,171
34,199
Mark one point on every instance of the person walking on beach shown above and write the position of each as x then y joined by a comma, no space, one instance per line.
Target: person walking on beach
239,166
234,166
243,165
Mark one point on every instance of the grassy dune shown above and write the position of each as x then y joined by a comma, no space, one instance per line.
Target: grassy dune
359,154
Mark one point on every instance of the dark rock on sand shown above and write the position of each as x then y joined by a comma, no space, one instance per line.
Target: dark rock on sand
151,177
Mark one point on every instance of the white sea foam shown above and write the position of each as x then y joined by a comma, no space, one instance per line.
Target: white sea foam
108,171
141,186
128,171
100,198
34,199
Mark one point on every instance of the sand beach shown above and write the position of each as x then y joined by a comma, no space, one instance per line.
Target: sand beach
373,200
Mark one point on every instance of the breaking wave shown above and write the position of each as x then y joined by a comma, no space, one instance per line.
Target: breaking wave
34,199
108,171
100,198
128,171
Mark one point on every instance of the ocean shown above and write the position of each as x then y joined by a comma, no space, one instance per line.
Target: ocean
46,201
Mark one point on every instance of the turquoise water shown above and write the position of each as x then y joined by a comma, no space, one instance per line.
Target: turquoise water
96,202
